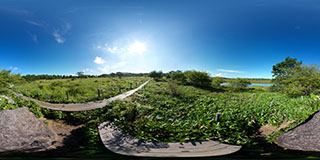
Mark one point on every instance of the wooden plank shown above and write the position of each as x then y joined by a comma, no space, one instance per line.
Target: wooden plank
124,144
71,107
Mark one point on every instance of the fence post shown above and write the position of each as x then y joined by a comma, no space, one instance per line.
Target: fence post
271,103
218,116
98,92
301,98
67,95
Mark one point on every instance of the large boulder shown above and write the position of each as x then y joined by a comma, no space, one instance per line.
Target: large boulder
21,130
305,137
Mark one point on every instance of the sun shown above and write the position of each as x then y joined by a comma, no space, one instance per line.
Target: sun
137,47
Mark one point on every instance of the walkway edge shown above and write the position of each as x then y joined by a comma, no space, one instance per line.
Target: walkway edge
73,107
124,144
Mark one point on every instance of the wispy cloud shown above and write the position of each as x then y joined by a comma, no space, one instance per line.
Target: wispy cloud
13,68
59,33
118,65
88,71
34,37
113,49
99,60
57,36
35,22
124,50
221,75
113,68
16,11
229,71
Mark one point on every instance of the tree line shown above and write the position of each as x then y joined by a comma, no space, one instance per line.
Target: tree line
289,76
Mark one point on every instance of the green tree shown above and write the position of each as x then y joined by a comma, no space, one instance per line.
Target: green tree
156,75
304,80
7,79
177,76
217,82
240,83
285,69
198,79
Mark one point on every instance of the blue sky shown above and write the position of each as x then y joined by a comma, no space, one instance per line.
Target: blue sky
229,38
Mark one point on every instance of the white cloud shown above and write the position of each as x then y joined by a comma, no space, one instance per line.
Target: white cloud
105,69
124,50
113,49
221,75
118,65
57,36
229,71
59,33
35,22
99,60
87,70
114,68
13,68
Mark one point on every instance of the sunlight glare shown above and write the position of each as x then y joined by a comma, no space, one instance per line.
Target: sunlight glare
137,47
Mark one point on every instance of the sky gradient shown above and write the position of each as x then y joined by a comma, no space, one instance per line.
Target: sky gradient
229,38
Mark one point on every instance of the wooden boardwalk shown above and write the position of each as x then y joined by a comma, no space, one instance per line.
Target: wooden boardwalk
122,143
71,107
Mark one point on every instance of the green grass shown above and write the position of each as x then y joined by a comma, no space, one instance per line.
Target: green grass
174,113
78,90
156,115
253,81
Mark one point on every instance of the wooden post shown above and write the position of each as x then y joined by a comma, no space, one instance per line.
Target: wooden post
301,98
218,116
119,89
98,93
67,95
271,103
130,85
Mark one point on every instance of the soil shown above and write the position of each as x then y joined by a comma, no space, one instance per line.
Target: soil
68,135
269,129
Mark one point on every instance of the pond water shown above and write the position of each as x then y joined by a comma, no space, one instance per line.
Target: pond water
252,84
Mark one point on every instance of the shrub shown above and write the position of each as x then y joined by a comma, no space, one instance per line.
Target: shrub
240,83
217,81
177,76
198,79
174,88
156,75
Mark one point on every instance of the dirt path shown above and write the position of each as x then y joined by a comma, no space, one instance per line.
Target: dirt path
71,107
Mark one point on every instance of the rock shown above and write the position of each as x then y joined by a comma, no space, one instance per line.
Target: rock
10,100
305,137
21,130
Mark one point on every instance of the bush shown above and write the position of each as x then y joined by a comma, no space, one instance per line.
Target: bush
177,76
174,89
156,75
240,83
198,79
217,81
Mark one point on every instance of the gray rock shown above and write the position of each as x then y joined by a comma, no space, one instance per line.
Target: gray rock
305,137
10,100
21,130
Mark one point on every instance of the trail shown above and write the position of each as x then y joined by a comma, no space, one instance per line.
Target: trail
122,143
72,107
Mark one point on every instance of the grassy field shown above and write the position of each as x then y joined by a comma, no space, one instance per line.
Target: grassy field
168,112
253,81
78,90
158,114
